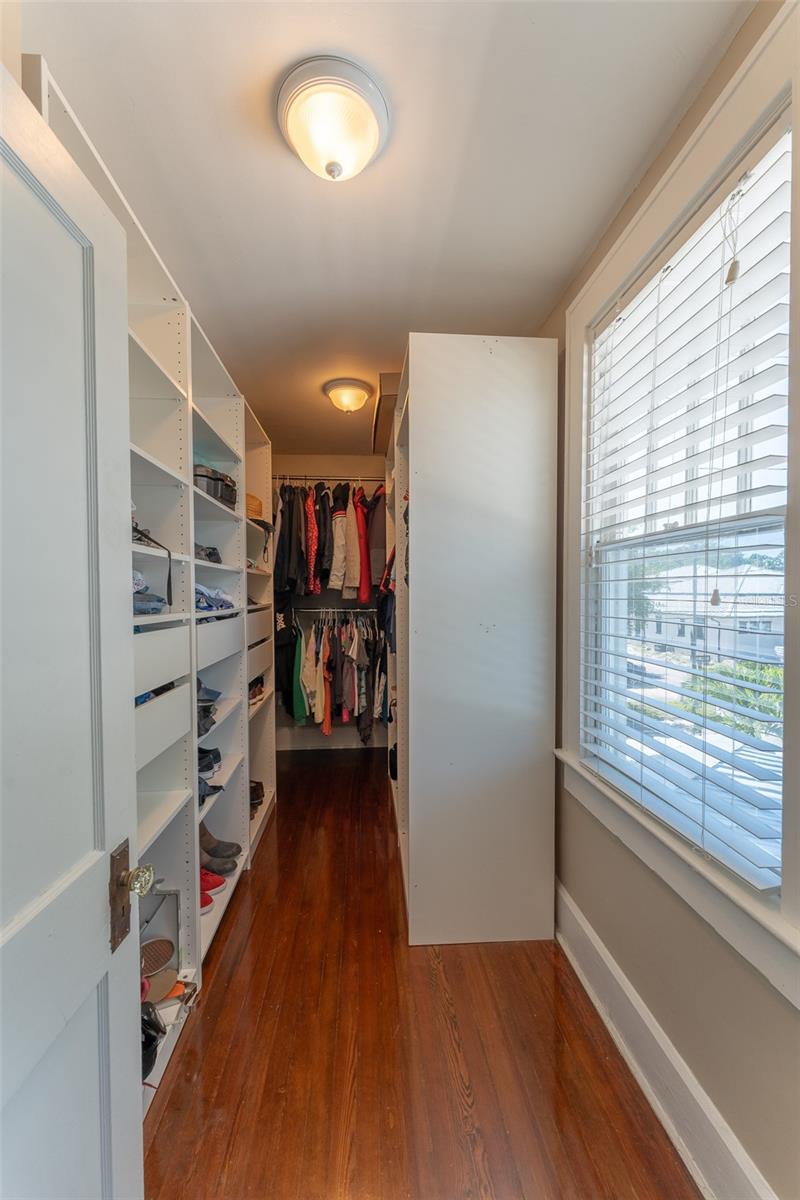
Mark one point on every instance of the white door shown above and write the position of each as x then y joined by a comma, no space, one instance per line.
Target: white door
70,1067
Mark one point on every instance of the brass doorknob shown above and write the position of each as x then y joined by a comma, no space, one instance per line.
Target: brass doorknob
139,880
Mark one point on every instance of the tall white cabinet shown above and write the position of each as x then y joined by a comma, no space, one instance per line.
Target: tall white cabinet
185,409
473,461
260,624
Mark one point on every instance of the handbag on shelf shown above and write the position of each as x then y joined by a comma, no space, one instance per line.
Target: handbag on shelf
216,484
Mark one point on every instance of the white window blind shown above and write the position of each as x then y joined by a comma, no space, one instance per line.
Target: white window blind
683,509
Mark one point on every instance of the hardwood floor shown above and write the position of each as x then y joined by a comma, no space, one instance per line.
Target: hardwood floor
327,1060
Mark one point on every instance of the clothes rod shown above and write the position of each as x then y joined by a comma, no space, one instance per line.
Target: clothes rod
331,479
322,610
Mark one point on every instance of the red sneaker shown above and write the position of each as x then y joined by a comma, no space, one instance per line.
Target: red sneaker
206,902
211,883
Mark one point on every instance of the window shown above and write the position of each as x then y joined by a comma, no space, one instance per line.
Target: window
683,511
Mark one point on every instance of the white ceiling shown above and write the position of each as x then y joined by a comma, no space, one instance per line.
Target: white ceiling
518,129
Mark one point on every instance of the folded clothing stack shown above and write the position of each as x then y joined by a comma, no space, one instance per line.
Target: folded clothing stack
211,599
145,602
159,691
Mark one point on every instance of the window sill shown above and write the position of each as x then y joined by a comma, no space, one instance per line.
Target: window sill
760,934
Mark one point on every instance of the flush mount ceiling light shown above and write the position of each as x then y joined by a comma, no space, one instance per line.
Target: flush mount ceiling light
347,394
333,116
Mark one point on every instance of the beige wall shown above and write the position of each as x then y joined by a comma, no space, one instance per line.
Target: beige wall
10,36
737,1034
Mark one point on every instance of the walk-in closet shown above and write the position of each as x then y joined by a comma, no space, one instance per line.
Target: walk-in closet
399,626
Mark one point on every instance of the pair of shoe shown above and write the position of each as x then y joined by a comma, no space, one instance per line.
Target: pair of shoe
256,690
205,789
256,796
210,885
208,761
217,859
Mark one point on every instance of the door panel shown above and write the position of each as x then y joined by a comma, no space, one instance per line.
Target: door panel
46,667
71,1068
74,1139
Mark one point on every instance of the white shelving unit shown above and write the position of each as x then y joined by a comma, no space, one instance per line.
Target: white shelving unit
475,786
260,623
184,409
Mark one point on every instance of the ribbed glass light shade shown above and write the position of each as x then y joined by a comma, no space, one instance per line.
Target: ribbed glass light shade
333,116
333,130
347,394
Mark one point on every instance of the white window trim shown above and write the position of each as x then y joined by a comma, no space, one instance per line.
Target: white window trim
766,935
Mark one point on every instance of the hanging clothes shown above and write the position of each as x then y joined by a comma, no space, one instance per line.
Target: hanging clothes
323,511
341,497
352,572
282,524
308,674
285,644
387,603
296,571
312,543
376,533
299,704
327,717
338,673
319,675
361,505
277,508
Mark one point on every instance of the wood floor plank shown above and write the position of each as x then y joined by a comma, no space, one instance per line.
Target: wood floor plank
328,1060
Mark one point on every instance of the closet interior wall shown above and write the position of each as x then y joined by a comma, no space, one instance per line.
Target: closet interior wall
185,409
299,470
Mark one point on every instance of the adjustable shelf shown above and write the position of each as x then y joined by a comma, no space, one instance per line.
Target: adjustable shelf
160,618
210,446
146,469
208,509
154,552
156,810
148,378
200,564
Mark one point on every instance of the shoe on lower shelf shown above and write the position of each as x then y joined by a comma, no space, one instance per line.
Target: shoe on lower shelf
211,883
216,848
218,866
206,902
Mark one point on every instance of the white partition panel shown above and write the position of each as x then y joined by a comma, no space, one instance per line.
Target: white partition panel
479,433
